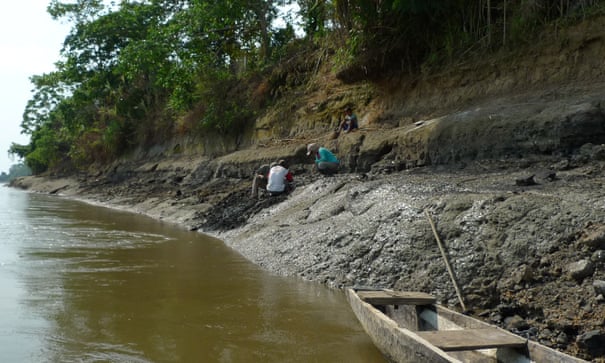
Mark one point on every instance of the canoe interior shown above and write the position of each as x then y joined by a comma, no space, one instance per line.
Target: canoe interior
411,327
462,337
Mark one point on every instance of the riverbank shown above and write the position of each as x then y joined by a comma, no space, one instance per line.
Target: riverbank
514,185
528,252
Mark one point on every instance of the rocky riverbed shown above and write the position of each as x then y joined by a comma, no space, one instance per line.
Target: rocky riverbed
525,238
514,187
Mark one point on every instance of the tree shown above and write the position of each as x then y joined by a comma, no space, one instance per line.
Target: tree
132,71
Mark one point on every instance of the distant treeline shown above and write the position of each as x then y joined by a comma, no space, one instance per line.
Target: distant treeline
15,171
140,72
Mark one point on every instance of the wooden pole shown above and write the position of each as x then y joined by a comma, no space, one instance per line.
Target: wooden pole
504,24
447,264
489,22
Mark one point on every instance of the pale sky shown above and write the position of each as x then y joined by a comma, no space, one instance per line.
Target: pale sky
30,41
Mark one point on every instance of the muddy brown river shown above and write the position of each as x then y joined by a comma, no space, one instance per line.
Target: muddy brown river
81,283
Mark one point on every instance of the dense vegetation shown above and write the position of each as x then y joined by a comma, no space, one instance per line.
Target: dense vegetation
139,72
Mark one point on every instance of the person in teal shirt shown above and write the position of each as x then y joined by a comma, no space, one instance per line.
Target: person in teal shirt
326,162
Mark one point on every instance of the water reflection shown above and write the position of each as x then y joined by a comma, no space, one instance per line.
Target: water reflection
93,285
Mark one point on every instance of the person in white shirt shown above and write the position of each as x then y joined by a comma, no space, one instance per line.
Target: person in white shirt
279,179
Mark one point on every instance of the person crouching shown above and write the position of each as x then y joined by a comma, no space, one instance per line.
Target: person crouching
260,178
325,162
280,179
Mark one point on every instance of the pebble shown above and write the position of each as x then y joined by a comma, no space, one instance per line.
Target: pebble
599,287
598,256
516,322
562,338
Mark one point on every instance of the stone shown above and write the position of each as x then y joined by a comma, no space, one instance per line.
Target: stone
526,181
599,287
594,237
580,270
545,334
516,322
593,152
598,152
593,341
547,175
598,256
562,165
562,338
507,309
524,274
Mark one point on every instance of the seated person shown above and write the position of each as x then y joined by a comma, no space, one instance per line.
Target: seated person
326,162
350,121
259,180
280,179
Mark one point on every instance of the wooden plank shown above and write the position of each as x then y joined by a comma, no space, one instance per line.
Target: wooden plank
396,297
471,339
542,353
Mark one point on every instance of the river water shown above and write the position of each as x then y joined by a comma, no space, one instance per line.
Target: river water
81,283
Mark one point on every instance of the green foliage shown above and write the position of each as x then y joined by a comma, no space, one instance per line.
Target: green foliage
402,35
226,106
137,72
316,15
282,39
45,151
19,150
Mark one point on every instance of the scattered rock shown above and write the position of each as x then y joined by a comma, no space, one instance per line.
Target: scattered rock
581,269
516,322
526,181
592,152
547,175
593,237
524,274
593,341
562,165
507,309
599,287
598,256
562,338
546,335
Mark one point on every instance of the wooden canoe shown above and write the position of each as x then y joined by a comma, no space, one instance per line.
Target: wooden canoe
412,327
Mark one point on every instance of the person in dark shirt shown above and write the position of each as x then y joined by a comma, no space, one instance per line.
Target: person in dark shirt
350,121
260,179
